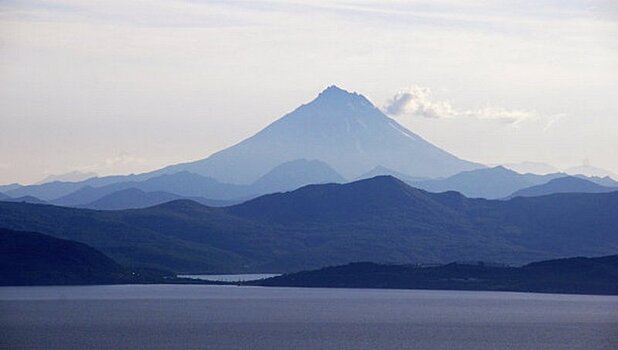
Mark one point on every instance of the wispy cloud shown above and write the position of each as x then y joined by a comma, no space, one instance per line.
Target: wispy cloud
152,13
124,159
116,163
418,101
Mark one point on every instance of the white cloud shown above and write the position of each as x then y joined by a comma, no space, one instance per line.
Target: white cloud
418,101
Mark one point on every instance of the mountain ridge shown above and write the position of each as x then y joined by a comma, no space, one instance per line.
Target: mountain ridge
491,183
567,184
380,219
28,258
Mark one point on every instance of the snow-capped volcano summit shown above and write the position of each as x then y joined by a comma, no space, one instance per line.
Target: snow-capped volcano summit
338,127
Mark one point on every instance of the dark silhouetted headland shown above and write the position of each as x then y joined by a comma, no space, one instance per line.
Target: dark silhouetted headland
573,275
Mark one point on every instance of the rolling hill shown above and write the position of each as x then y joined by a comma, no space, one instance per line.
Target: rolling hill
28,258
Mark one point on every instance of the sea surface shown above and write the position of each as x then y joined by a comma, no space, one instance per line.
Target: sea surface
232,317
231,278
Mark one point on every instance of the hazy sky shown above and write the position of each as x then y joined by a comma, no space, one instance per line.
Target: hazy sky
120,86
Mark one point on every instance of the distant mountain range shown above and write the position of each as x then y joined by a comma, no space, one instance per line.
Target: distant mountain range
22,199
589,170
73,176
337,137
567,184
53,190
500,182
133,198
10,187
285,177
490,183
380,219
544,169
532,168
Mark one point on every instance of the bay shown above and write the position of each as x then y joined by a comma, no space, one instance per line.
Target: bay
233,317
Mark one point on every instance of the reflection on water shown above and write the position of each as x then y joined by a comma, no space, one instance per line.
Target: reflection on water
231,278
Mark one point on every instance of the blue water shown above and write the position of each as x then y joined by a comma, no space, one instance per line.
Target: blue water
231,317
231,278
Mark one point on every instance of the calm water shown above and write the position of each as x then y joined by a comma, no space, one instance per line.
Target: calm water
232,278
230,317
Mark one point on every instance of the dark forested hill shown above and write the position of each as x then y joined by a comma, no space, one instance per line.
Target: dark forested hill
379,219
134,238
572,275
33,258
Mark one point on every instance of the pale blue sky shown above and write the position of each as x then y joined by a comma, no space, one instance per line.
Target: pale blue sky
129,86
